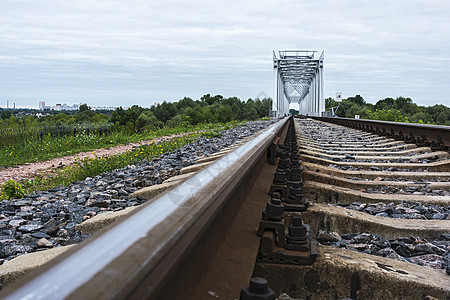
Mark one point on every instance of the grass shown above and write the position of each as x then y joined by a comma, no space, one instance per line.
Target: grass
28,151
90,167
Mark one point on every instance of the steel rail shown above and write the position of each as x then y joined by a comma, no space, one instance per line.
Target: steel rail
137,257
409,132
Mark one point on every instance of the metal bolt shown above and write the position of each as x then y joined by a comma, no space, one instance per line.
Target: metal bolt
284,153
295,184
283,163
257,290
295,162
274,210
295,195
295,174
276,195
280,177
297,231
296,221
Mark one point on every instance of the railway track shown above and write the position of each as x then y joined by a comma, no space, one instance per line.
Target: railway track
309,206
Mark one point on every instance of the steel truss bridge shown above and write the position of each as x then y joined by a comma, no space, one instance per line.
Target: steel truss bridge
298,78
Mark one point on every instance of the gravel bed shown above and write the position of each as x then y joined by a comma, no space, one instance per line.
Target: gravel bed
400,179
340,137
433,254
377,169
47,219
411,190
402,210
401,160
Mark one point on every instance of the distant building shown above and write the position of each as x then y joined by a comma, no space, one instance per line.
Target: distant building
66,107
103,108
70,107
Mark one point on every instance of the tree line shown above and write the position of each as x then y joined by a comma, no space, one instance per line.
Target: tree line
136,119
213,109
400,109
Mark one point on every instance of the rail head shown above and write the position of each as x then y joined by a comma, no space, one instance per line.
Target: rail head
113,263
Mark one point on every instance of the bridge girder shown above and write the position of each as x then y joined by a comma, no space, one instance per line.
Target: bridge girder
298,78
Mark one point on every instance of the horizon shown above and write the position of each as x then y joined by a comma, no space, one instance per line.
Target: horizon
149,106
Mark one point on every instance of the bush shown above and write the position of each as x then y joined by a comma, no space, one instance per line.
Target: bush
11,190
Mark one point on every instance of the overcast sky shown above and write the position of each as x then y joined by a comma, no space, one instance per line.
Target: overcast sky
141,52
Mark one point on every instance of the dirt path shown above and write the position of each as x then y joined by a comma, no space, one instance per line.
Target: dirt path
29,170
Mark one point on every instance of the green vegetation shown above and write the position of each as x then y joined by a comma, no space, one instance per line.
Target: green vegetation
32,150
11,190
185,112
398,110
25,137
90,167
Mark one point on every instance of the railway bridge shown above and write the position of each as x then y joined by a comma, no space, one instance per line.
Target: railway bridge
298,78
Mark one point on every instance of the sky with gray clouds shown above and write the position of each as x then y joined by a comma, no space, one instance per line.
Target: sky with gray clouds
140,52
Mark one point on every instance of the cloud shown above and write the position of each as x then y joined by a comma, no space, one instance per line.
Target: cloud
140,52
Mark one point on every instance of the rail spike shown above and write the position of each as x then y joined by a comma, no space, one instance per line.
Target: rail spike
297,248
422,141
399,136
410,139
257,290
438,145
